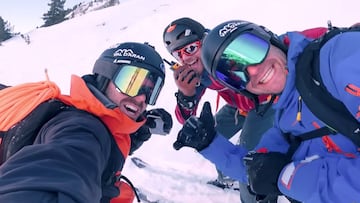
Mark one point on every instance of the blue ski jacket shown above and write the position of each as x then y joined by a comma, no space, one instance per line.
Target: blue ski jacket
324,169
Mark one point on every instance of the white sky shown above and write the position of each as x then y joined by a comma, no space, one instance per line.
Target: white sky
73,46
26,15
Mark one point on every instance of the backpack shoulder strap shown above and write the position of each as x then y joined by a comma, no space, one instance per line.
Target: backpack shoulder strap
312,90
295,141
111,173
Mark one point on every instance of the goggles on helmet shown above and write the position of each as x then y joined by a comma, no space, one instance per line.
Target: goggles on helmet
187,50
245,50
134,81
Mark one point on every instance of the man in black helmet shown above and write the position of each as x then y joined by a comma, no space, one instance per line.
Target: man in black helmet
78,151
183,39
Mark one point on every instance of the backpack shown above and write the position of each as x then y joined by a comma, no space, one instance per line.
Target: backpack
19,128
38,103
320,102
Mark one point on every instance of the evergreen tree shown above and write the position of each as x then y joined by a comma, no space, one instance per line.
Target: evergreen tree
56,14
5,30
113,2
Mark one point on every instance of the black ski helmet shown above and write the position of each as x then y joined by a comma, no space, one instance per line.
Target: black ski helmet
181,32
223,34
133,53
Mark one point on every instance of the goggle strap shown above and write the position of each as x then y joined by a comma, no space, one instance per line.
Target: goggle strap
105,68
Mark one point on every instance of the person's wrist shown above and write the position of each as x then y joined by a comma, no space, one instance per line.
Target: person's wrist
188,93
187,102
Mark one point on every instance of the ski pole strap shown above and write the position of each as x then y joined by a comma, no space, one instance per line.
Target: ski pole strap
292,200
131,185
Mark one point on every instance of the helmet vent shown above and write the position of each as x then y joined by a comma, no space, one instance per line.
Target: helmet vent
171,28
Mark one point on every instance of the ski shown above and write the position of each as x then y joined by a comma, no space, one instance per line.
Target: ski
139,162
225,185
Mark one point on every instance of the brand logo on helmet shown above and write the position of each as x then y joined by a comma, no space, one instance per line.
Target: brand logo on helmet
229,28
187,32
128,53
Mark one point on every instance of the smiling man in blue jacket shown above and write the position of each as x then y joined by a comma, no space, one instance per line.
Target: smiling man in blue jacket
246,56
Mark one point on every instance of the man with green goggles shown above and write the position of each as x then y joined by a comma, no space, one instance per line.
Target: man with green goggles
249,58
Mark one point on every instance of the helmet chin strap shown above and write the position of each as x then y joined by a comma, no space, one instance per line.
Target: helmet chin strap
255,99
266,107
102,83
101,97
91,81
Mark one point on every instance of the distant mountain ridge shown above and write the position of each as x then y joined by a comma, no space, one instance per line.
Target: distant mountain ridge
83,8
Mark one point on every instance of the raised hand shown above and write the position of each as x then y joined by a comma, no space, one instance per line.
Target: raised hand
186,79
197,133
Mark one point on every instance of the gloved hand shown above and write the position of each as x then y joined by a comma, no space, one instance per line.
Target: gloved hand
197,133
263,171
186,79
159,121
139,137
263,198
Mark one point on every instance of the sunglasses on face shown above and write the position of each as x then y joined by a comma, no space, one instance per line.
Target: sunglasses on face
245,50
188,50
134,81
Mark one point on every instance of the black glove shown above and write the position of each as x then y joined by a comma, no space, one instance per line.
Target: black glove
263,170
263,198
197,133
159,121
139,137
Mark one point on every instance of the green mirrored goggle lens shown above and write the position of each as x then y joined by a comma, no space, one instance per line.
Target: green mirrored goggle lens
247,49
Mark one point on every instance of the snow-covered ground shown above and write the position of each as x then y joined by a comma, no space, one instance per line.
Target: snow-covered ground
73,46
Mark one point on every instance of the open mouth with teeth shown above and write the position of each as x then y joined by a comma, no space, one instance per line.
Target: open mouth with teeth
268,75
193,62
131,108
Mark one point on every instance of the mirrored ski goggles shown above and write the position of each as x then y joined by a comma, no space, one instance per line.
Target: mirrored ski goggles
187,50
134,81
245,50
